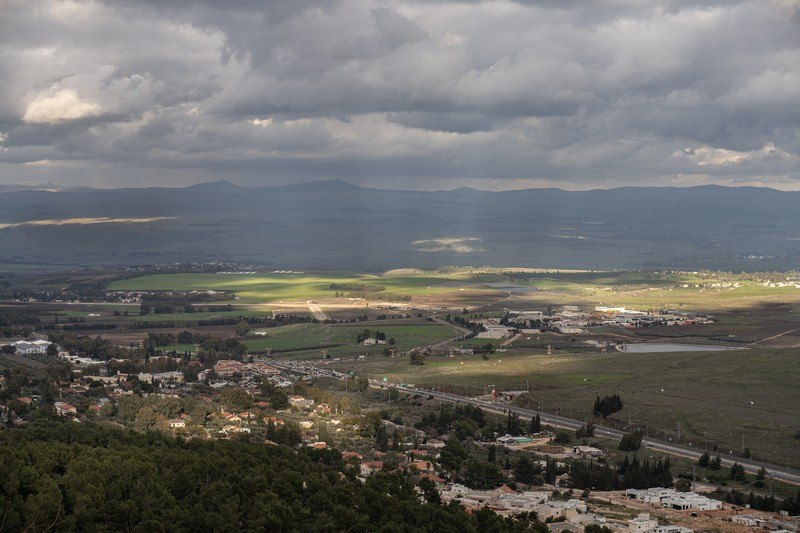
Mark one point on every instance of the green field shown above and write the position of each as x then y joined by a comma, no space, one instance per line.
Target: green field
705,394
647,290
637,290
180,348
194,317
298,337
267,287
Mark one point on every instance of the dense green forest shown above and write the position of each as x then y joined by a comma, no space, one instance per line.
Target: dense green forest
63,476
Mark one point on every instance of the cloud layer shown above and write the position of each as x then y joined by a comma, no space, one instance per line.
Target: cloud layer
490,94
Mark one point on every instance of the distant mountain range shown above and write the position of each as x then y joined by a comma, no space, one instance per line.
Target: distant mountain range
336,225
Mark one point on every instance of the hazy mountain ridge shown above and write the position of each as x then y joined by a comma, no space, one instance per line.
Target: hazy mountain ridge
333,224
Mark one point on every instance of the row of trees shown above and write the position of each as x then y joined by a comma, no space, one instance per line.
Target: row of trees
790,505
452,417
458,320
357,287
628,474
96,347
261,321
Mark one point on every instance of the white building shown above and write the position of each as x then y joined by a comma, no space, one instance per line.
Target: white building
642,523
557,509
655,495
458,488
674,500
495,332
749,520
150,377
587,451
31,347
689,500
526,501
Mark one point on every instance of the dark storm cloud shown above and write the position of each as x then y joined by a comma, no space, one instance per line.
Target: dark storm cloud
405,94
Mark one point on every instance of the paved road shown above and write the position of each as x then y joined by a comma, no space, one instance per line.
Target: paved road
782,473
464,332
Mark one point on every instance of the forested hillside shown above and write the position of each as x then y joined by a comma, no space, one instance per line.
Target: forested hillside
73,477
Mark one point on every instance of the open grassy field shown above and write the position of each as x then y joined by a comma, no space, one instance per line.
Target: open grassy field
180,348
636,290
649,290
194,317
340,339
703,396
267,287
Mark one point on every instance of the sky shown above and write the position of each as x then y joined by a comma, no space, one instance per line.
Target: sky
401,94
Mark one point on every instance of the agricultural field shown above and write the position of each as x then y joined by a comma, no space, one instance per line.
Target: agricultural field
194,317
471,287
642,290
340,339
269,287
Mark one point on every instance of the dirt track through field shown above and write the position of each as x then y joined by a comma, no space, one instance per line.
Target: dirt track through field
773,337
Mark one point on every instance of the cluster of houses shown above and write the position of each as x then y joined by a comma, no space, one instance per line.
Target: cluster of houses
562,515
508,501
570,515
572,320
230,367
781,284
369,341
627,318
767,523
412,461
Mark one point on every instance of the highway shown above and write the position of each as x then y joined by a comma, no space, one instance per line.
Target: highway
781,473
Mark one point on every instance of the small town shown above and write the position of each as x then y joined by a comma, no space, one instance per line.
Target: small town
478,458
